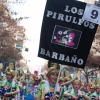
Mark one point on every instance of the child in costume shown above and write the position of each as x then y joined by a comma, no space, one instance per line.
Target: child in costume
67,82
47,87
61,81
92,91
19,85
28,78
96,94
75,93
23,89
9,88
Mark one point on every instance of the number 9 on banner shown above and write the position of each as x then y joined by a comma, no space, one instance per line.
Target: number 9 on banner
92,14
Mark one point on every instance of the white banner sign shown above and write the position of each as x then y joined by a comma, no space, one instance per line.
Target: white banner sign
92,14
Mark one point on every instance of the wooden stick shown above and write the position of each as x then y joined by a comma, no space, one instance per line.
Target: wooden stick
58,78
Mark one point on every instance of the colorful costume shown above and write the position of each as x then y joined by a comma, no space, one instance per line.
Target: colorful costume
96,94
75,93
23,90
8,86
46,90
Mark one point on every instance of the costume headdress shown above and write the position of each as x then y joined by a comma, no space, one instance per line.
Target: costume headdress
28,72
92,86
66,79
23,81
43,76
98,86
18,77
82,84
9,71
61,79
53,67
77,80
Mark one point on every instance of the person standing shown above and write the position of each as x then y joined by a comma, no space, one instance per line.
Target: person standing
75,93
47,88
9,86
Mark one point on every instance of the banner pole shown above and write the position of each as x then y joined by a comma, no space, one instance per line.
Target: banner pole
58,78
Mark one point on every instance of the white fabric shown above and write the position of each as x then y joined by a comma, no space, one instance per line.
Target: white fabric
72,91
46,86
2,74
23,97
13,83
47,89
94,93
18,96
57,87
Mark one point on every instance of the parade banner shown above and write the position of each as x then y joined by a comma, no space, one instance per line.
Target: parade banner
65,37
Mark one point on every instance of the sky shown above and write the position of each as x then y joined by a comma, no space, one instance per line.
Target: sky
35,9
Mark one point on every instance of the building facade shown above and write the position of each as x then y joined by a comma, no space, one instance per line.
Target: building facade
90,1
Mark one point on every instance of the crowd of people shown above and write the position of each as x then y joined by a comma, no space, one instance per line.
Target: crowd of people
17,85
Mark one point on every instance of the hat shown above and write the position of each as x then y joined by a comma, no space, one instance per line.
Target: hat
28,73
61,79
9,71
76,80
43,76
92,86
23,81
67,78
18,77
97,86
53,67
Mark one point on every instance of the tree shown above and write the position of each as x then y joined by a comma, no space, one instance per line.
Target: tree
9,32
93,61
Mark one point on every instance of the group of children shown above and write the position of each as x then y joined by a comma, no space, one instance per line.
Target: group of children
17,85
66,88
